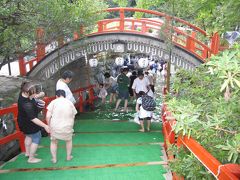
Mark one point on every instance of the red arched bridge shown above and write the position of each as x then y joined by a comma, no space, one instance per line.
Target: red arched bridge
192,45
142,36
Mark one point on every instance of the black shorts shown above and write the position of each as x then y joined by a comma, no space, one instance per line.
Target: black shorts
146,118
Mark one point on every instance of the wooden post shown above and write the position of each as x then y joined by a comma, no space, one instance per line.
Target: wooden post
22,67
40,44
75,36
80,107
215,42
122,16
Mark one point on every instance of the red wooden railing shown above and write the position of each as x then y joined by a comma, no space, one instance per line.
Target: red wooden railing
218,170
18,135
185,35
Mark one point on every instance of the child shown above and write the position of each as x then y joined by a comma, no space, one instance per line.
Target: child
102,93
60,117
143,114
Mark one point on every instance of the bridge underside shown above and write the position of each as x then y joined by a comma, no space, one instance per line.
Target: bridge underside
72,56
92,45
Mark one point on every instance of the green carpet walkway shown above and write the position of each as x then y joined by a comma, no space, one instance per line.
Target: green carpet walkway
106,146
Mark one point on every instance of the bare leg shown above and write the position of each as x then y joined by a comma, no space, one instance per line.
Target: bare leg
142,126
111,98
27,142
53,148
69,149
125,105
33,149
114,97
148,125
103,100
117,104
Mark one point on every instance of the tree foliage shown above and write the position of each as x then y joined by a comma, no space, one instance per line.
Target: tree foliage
204,112
211,15
20,18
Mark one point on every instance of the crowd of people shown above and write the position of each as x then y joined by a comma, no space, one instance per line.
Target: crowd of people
134,85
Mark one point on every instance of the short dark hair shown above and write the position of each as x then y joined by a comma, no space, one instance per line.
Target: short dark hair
107,75
67,74
140,73
134,73
141,93
60,92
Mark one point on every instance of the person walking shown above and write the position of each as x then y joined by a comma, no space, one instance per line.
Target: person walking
143,114
141,83
110,84
60,117
123,84
132,78
102,93
63,85
28,120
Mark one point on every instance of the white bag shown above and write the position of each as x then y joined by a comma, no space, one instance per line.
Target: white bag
136,119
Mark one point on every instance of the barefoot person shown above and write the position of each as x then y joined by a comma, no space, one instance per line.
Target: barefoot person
60,117
63,85
28,120
143,114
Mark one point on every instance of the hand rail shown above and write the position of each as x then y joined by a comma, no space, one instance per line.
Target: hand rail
218,170
17,135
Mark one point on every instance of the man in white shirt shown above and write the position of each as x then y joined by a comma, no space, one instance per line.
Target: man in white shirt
63,85
141,83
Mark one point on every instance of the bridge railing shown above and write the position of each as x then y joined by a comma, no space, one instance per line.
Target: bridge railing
218,170
18,135
182,33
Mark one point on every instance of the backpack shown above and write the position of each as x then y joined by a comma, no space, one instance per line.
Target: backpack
148,103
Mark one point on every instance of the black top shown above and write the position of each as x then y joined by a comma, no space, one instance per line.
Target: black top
27,111
132,78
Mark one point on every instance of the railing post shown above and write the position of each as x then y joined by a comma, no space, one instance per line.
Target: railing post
91,97
21,137
80,102
144,27
190,42
81,34
75,36
215,41
100,26
40,44
122,16
22,66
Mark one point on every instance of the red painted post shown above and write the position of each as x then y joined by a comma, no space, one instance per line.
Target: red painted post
40,44
21,135
75,36
80,107
91,97
122,16
81,34
132,27
144,27
22,66
215,42
190,42
100,26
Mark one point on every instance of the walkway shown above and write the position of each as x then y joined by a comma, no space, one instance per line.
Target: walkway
106,146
